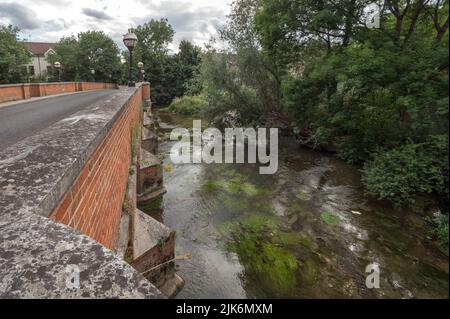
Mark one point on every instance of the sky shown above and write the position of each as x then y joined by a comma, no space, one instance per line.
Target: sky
49,20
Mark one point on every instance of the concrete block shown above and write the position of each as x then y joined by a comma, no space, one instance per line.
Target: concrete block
153,249
172,286
149,140
150,178
148,121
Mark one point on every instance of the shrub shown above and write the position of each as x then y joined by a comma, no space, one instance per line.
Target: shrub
440,224
188,105
399,174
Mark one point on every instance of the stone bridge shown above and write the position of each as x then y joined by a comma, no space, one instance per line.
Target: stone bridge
69,223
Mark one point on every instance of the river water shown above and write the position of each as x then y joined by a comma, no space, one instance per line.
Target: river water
307,231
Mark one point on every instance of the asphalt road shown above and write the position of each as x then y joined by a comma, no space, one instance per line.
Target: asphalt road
25,119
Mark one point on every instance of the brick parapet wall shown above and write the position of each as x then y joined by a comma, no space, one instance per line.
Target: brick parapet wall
93,204
15,92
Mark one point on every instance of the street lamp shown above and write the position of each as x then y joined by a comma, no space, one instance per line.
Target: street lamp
130,40
141,71
58,67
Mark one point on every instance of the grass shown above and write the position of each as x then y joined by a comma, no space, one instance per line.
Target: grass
188,105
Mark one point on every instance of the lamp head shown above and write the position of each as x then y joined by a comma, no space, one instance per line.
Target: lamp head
130,40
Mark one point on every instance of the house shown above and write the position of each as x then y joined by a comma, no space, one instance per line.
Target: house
38,65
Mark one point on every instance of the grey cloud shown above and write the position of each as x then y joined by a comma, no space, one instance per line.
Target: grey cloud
183,17
188,23
54,25
18,15
100,15
54,3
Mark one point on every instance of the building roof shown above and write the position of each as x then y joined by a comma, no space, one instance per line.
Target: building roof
39,48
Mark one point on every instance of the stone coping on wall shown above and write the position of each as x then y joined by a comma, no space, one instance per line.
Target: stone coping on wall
25,91
45,83
35,252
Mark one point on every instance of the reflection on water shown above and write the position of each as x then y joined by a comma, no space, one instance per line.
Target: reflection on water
305,232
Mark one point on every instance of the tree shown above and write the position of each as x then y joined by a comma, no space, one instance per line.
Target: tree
66,53
152,49
285,25
168,73
154,36
188,60
91,50
99,52
242,80
13,56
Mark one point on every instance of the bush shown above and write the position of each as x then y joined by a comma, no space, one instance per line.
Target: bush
440,224
399,174
188,105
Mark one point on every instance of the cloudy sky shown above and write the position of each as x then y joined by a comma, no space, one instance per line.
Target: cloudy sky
49,20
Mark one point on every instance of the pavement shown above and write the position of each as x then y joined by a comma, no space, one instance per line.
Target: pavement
20,120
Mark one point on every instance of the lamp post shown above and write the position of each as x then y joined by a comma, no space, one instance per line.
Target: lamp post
93,73
130,40
141,71
58,67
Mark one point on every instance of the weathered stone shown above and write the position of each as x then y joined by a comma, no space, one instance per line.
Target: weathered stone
124,235
148,103
38,259
153,246
149,123
172,286
149,141
150,178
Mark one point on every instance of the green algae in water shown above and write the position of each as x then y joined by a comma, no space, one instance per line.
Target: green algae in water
294,239
251,223
261,248
210,187
234,186
266,263
330,219
236,195
304,196
308,273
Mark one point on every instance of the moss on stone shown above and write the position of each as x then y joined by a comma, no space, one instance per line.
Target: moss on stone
153,205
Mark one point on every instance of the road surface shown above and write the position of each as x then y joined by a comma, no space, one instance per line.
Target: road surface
25,119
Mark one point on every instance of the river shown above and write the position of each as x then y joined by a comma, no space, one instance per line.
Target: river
307,231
